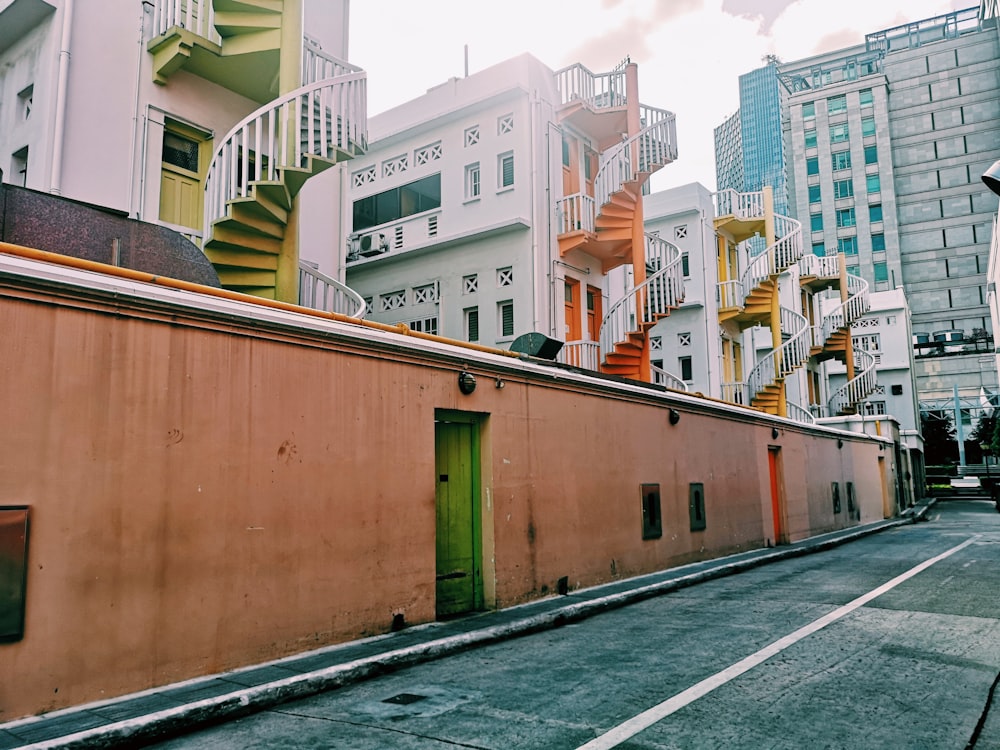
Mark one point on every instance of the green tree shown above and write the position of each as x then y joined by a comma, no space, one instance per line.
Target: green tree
940,445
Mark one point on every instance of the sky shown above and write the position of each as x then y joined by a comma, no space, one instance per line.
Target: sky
690,53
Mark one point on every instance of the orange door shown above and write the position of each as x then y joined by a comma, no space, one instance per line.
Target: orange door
594,312
572,310
777,506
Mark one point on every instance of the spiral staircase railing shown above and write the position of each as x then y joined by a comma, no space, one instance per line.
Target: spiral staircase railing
847,312
784,359
666,379
845,399
314,121
660,293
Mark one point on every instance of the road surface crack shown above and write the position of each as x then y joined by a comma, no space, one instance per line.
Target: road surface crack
364,725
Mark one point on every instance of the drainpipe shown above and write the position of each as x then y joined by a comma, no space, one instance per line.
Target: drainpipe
130,189
55,178
532,130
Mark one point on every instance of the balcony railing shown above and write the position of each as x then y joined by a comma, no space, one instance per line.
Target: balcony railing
821,266
576,213
740,205
730,294
583,354
196,16
734,393
598,90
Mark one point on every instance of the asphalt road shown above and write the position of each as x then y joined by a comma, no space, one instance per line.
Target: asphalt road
892,641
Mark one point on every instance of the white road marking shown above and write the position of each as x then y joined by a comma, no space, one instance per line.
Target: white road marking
646,719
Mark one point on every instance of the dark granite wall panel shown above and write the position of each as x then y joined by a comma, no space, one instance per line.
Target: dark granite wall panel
59,225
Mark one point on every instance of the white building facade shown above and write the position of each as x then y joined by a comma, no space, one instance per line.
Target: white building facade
132,107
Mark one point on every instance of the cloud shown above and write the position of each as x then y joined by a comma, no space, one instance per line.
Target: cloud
605,51
811,27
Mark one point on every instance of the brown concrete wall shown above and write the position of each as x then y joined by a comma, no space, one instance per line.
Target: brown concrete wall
207,493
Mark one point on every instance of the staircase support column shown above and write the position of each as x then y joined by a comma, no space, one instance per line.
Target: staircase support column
286,285
638,249
767,198
844,294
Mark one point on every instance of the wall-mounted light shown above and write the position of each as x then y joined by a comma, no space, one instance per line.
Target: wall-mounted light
675,416
840,443
774,433
499,383
992,177
466,382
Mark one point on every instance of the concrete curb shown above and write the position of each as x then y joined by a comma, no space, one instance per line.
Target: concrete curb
174,721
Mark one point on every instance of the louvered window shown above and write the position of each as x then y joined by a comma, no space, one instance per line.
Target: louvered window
505,316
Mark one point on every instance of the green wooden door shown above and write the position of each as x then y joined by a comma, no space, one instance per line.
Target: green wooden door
459,569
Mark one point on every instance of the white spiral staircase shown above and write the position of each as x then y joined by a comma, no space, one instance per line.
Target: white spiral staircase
624,328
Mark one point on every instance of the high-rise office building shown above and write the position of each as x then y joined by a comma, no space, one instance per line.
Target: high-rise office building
884,144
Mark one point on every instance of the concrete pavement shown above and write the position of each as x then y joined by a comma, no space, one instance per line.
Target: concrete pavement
173,709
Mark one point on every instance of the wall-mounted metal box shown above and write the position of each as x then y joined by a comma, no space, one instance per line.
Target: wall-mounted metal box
13,571
696,506
652,521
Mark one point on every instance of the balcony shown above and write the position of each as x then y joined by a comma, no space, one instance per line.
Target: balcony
240,51
18,17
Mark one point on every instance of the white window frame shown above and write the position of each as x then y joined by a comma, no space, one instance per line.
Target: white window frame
473,182
501,160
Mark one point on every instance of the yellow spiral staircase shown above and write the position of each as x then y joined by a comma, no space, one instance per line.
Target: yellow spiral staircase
256,48
753,299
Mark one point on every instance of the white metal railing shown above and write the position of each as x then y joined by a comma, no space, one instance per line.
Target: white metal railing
318,65
847,396
598,90
731,294
780,362
785,252
576,212
654,146
741,205
584,354
662,292
800,413
318,119
666,379
196,16
645,152
817,336
321,292
843,315
735,393
791,321
821,266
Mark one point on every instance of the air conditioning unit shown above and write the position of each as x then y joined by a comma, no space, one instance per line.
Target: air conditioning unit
372,244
